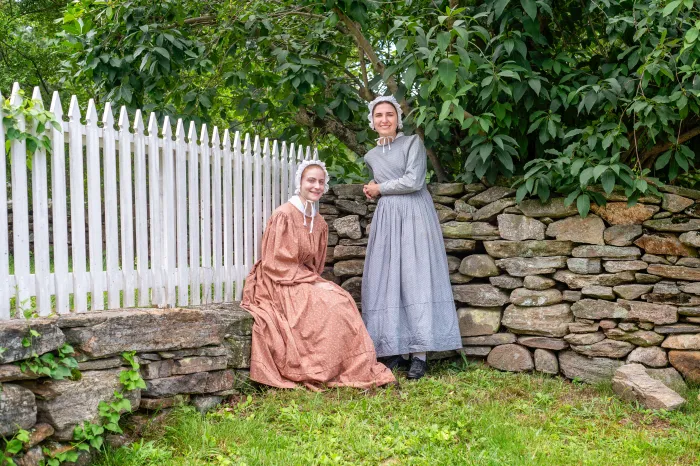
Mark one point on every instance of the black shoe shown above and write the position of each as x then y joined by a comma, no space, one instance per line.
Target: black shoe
418,368
396,362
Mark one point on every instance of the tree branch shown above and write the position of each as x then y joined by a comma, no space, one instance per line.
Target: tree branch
650,155
332,126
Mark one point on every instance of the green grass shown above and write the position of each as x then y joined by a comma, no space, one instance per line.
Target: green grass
458,415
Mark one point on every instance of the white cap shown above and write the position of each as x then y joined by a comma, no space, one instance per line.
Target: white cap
302,167
385,98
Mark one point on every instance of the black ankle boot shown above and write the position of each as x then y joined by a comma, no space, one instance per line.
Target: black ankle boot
396,362
418,368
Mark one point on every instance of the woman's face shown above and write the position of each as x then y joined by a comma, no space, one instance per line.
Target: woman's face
385,119
313,183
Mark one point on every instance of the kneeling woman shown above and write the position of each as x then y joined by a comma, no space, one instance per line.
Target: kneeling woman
307,330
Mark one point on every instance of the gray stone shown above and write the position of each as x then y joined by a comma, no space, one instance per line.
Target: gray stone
341,252
459,245
526,297
687,363
66,403
475,351
353,286
12,332
642,338
662,215
352,207
631,292
554,344
545,248
446,200
682,342
490,340
348,190
511,358
475,188
623,266
32,457
605,349
490,211
666,288
658,314
490,195
598,309
453,263
605,251
327,209
653,259
646,278
549,321
628,326
579,230
681,191
669,377
506,281
478,265
469,230
99,364
584,338
110,333
675,203
577,281
158,404
459,279
618,213
475,321
571,296
691,238
519,228
665,244
597,291
692,288
622,235
462,207
584,265
353,267
689,311
354,242
606,324
632,383
589,370
652,356
197,383
446,215
522,266
689,262
677,329
554,208
446,189
583,327
479,295
675,272
546,361
348,227
17,409
678,225
535,282
205,403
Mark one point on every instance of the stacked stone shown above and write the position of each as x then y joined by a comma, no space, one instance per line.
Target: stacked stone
186,355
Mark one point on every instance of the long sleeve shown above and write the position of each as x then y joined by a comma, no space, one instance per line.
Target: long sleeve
320,258
280,253
414,177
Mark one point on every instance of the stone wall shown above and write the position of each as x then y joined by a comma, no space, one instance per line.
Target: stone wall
197,355
539,288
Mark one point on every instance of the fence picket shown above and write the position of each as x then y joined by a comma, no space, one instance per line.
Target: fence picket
248,246
94,207
292,170
275,176
257,198
266,184
168,235
205,175
284,171
216,212
126,209
77,207
141,203
155,183
227,219
181,216
193,179
4,230
238,229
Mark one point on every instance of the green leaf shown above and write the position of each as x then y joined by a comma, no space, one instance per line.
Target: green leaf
571,197
536,85
443,40
598,170
410,75
447,72
500,6
662,161
162,52
671,7
583,205
520,193
608,181
530,8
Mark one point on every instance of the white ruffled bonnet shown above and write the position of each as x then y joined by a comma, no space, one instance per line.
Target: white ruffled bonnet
300,169
385,98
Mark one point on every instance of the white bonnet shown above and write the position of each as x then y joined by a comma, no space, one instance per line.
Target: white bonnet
392,101
300,170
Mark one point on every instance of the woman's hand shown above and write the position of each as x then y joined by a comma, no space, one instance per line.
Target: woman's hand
371,190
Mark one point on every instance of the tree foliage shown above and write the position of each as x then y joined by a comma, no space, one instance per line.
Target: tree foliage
557,96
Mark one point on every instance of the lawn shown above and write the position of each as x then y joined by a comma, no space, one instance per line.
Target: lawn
460,414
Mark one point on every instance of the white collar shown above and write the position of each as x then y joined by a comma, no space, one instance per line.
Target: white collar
301,205
387,140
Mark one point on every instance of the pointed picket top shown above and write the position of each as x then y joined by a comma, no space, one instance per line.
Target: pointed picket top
266,149
74,110
227,140
246,144
275,151
56,108
123,120
36,95
256,146
300,153
204,136
292,152
315,156
308,153
215,139
108,117
167,129
138,122
152,125
192,133
283,153
180,131
91,115
237,141
15,98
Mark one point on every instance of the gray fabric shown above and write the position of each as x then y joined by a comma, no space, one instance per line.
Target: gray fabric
407,302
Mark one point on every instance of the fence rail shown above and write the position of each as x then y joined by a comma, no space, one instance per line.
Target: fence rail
171,219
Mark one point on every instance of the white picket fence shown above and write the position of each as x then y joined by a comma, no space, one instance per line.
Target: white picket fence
183,218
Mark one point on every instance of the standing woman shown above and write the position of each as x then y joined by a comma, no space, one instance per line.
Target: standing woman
407,302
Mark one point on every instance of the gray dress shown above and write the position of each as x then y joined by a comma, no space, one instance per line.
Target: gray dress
407,302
